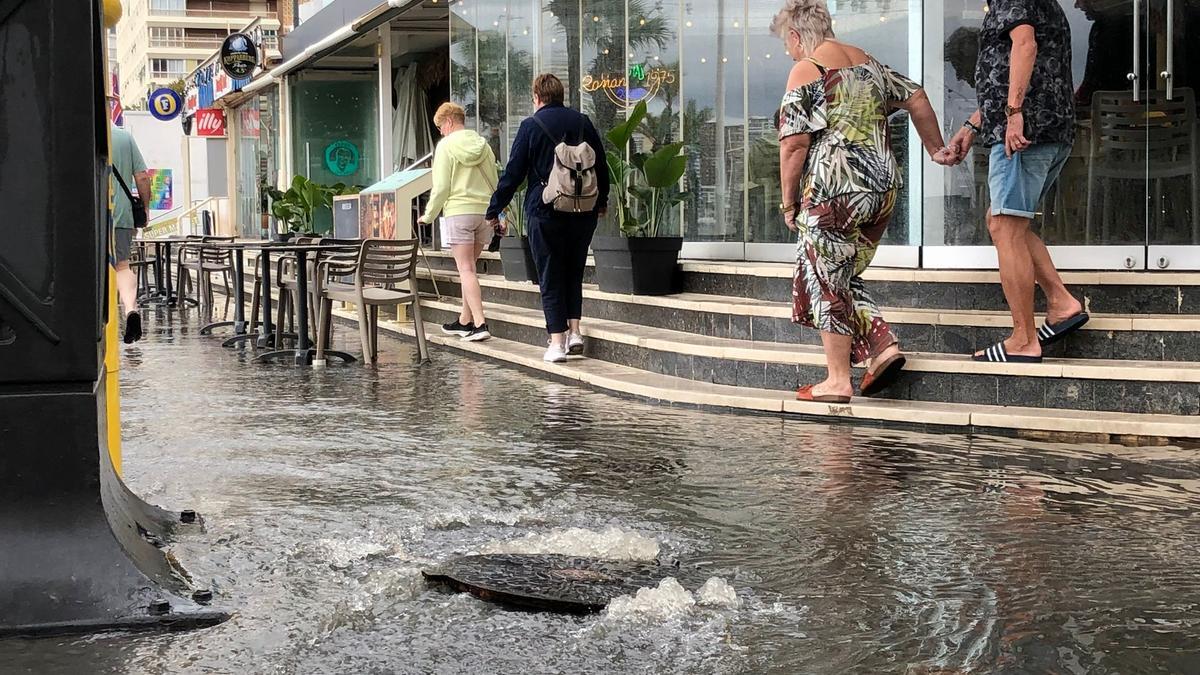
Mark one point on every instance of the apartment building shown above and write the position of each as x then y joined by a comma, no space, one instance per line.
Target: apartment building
160,41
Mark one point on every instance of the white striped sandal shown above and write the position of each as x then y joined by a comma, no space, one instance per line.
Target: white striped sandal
1050,333
998,354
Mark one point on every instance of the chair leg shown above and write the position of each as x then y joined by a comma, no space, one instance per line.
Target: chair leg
323,327
374,332
279,315
419,327
254,299
364,329
228,289
180,289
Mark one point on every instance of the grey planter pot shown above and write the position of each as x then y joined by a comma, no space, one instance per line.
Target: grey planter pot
638,265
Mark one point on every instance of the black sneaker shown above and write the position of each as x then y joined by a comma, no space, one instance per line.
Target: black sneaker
456,328
478,333
133,328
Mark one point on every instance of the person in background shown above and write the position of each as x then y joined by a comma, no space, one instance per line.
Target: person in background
839,181
559,239
1026,118
127,160
464,177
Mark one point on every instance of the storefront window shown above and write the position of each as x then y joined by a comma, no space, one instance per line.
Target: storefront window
257,161
464,63
335,137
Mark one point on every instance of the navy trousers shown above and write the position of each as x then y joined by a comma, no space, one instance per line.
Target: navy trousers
560,248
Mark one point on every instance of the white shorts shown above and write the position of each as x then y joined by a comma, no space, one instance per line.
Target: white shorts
467,229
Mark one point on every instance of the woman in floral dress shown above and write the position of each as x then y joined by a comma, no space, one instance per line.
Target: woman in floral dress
839,181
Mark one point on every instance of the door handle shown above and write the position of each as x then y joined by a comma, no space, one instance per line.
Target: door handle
1136,75
1166,74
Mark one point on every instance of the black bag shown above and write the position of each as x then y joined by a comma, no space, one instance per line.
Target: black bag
139,206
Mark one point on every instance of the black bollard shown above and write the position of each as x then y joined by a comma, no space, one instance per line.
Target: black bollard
77,548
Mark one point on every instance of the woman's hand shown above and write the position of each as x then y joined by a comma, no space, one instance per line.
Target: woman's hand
946,157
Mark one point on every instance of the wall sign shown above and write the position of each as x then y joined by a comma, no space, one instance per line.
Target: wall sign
165,104
639,84
210,123
341,158
239,56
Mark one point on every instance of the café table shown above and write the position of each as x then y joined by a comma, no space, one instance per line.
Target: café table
303,352
265,336
165,295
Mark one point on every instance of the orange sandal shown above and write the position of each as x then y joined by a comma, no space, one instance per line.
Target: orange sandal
884,375
805,393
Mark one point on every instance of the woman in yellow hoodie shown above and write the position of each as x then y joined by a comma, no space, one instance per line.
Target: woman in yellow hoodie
464,177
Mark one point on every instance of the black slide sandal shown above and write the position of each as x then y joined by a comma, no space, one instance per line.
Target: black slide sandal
1049,333
998,354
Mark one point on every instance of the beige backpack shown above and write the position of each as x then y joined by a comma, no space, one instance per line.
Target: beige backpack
572,186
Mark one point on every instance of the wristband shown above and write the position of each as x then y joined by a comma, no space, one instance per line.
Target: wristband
973,127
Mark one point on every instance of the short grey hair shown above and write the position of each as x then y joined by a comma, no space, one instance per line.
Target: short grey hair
809,18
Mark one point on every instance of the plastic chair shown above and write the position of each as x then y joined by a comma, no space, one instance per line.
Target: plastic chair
1151,140
379,265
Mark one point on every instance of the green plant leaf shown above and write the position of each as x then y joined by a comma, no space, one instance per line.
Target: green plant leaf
665,167
621,134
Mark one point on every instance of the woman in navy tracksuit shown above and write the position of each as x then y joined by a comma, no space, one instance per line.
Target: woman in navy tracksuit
559,241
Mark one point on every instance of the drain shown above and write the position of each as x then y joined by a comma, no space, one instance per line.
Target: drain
551,582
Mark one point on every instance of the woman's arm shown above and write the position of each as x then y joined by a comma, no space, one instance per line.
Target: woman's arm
441,185
793,152
926,122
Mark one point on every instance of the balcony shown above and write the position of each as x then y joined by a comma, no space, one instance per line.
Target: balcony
206,43
243,16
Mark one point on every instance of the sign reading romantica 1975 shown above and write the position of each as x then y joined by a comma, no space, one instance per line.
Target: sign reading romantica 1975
639,84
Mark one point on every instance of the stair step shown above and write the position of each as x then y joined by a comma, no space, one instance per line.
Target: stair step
1106,336
627,380
1135,293
665,339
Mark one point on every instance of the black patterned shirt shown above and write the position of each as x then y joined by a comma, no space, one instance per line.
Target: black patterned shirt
1049,107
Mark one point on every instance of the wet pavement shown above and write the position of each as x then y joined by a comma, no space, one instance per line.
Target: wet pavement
846,550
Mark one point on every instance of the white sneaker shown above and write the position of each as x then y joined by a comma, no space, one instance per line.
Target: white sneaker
555,354
575,344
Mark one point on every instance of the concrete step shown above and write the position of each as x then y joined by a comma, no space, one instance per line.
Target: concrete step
612,377
1108,385
1120,293
1107,336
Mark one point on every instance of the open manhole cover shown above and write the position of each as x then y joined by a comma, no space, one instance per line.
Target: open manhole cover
559,583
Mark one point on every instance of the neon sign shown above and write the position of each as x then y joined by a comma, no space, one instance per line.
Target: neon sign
640,84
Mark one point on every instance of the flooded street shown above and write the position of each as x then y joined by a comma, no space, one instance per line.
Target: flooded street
850,550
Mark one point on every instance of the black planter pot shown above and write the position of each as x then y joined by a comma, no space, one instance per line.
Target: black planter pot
517,260
639,265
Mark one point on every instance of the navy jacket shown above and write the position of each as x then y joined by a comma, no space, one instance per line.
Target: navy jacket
532,156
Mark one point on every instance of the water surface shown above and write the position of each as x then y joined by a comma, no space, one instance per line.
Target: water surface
851,550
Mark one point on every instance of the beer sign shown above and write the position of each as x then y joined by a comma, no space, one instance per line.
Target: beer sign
239,56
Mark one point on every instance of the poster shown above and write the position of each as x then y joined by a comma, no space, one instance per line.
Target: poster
160,190
378,215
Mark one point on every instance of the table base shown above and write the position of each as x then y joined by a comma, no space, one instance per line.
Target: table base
239,327
304,357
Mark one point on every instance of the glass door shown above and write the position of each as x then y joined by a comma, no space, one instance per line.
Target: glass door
1172,157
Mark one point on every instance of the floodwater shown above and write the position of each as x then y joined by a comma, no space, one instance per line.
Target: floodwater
836,549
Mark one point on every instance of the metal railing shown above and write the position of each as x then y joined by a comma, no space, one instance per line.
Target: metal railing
215,14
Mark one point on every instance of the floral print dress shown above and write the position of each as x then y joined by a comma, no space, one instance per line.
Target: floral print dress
848,196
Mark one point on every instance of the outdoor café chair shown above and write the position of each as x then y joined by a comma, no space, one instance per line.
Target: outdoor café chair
289,290
205,262
379,265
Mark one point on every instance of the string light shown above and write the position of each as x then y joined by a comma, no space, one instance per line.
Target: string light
703,60
689,23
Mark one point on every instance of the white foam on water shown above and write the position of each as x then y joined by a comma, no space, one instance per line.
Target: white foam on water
343,553
669,600
611,543
716,592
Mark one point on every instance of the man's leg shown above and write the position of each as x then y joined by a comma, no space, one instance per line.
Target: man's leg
1060,304
1010,234
126,287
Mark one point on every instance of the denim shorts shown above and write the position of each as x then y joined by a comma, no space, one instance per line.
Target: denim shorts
1019,184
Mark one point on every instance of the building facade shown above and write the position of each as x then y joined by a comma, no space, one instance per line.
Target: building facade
162,41
1127,199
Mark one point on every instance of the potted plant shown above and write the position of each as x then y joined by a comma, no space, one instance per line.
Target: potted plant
515,257
645,258
295,210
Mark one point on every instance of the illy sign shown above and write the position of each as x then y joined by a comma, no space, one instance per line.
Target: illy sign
210,122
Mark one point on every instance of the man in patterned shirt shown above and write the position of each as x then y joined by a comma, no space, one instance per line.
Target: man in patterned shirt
1026,119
